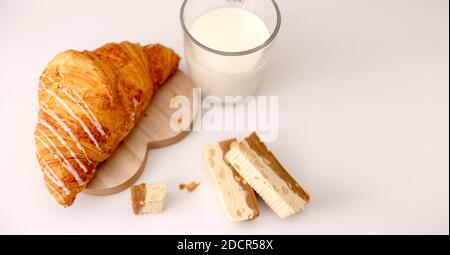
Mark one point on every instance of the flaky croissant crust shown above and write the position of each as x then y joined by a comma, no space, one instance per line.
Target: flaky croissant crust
88,103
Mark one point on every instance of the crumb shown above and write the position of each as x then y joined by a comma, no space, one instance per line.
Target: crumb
192,186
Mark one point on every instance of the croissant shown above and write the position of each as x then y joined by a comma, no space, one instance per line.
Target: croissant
88,103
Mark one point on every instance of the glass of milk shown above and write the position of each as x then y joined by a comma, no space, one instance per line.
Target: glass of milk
228,43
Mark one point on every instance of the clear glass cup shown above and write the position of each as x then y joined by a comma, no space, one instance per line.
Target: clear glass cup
220,73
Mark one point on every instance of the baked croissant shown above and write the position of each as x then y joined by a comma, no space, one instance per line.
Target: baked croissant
88,103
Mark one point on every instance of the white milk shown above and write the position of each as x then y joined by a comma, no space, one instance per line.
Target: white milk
228,30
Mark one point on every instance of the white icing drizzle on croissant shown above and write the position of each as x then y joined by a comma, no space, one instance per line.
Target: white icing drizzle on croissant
63,142
135,105
61,123
65,163
51,174
86,110
69,110
90,116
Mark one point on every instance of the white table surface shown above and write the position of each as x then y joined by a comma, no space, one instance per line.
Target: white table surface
363,89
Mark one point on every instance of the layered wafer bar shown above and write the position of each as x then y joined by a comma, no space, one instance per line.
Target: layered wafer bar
262,171
236,196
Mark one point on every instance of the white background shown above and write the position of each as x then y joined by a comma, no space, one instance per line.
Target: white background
363,88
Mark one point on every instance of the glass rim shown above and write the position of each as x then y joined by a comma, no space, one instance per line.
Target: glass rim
230,53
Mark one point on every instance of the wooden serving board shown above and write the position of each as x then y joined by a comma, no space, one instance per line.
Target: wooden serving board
126,164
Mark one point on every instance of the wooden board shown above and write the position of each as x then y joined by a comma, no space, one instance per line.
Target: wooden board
126,164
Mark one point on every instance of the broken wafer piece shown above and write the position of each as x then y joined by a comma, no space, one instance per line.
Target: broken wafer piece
236,196
148,198
259,167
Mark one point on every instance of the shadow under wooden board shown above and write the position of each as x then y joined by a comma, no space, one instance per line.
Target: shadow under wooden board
126,164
